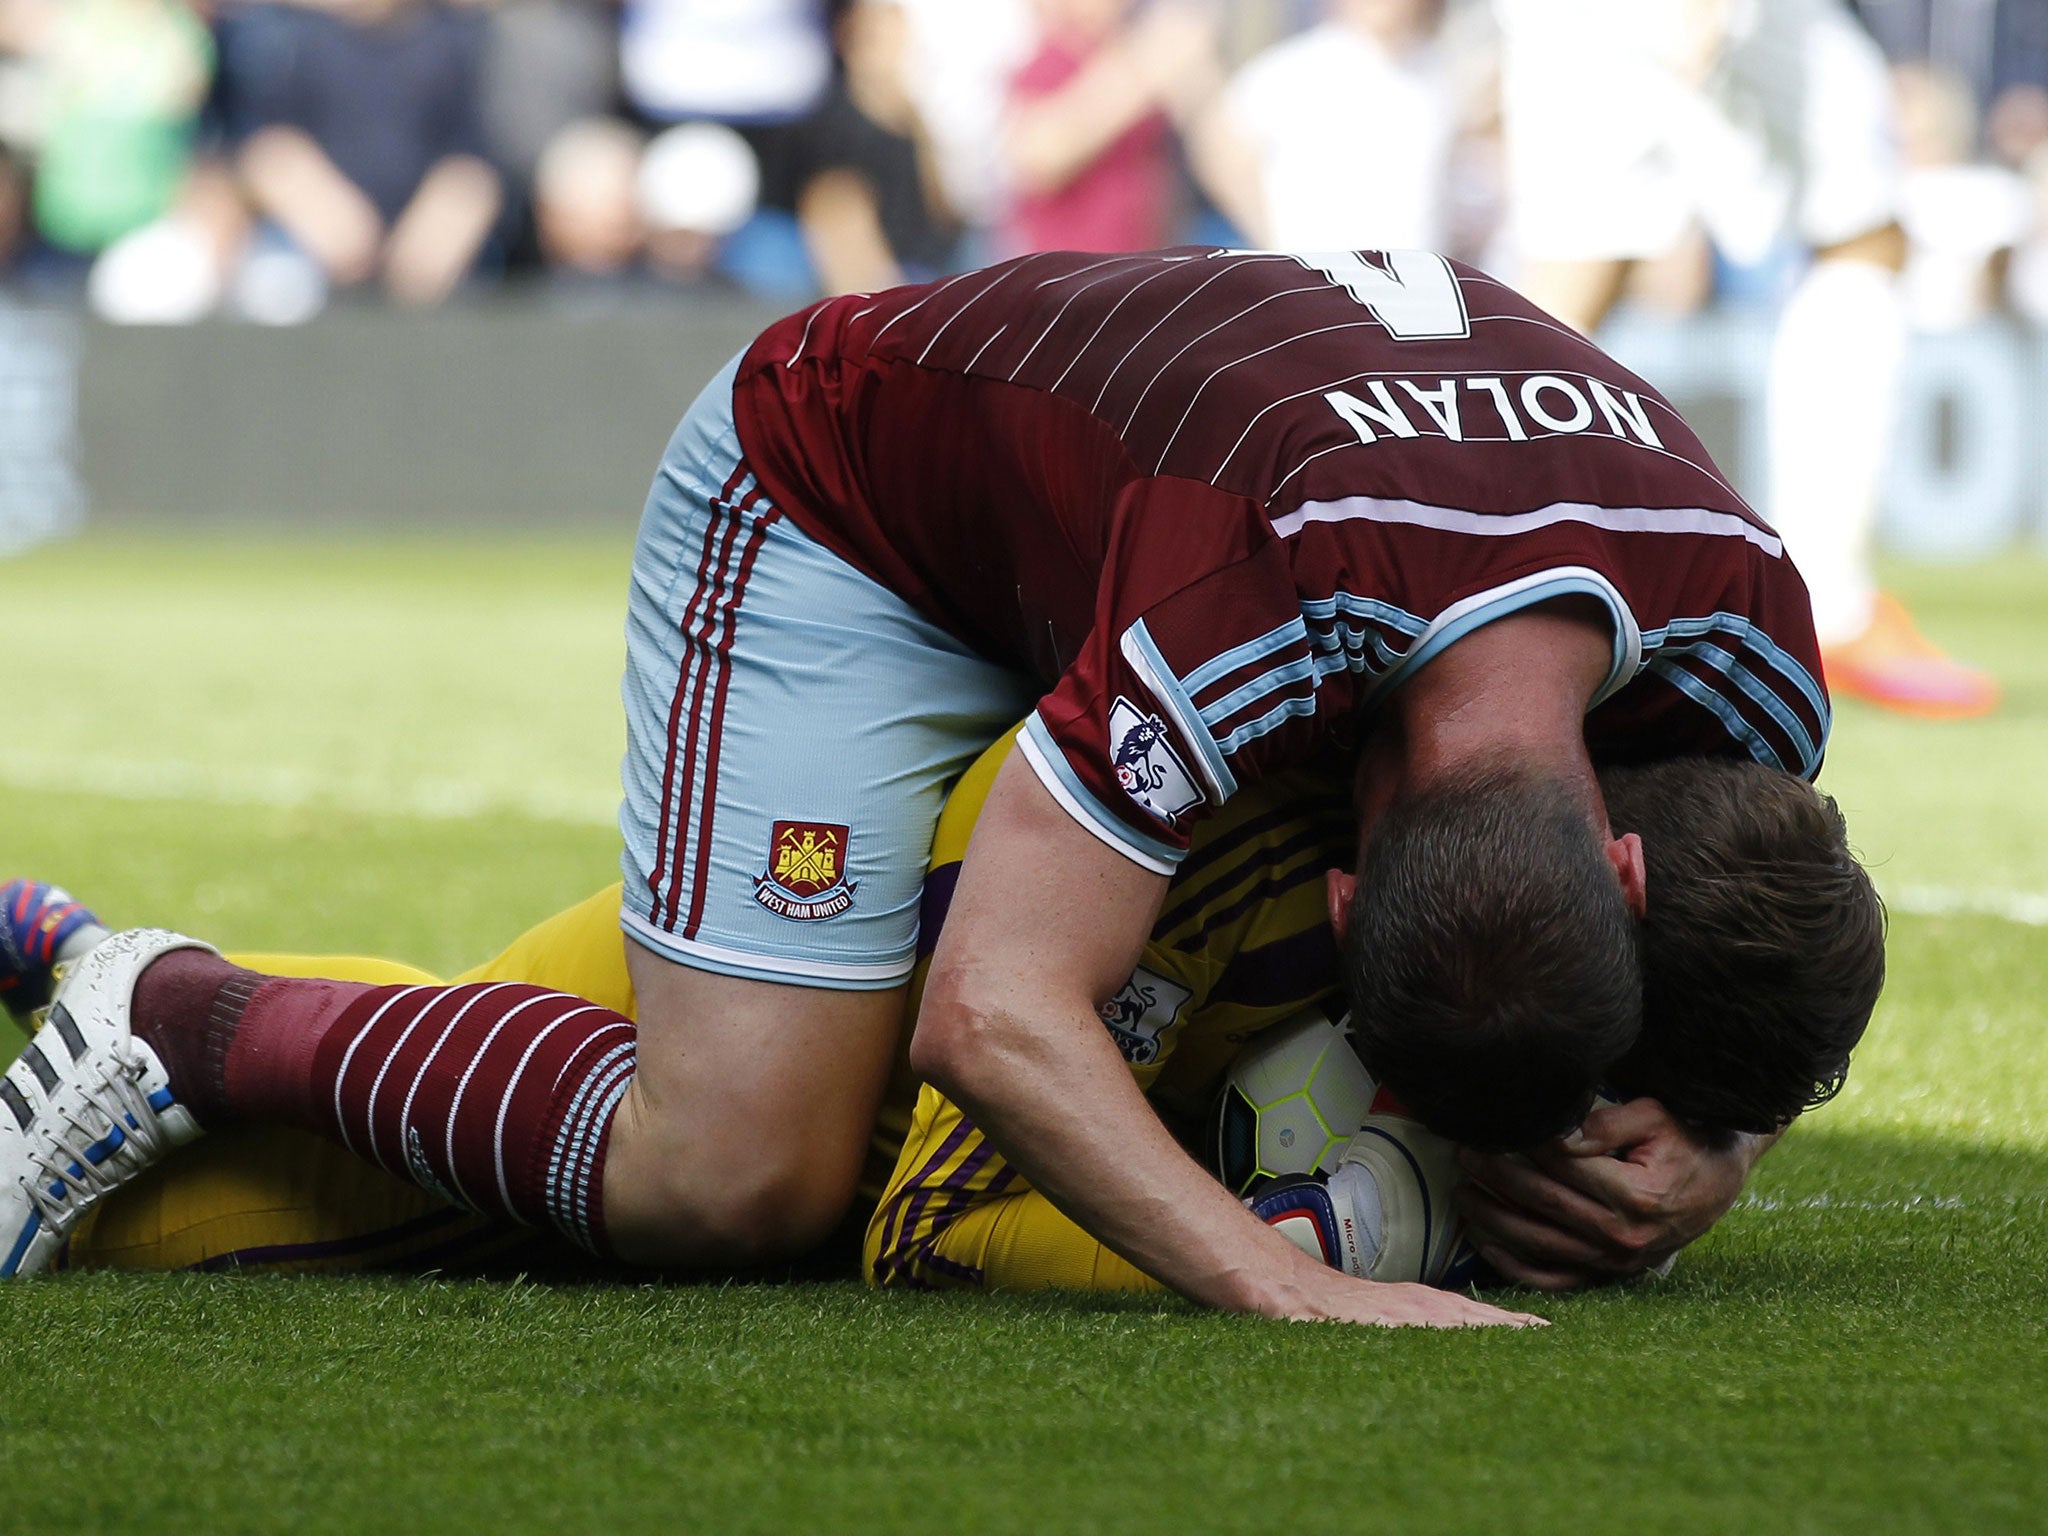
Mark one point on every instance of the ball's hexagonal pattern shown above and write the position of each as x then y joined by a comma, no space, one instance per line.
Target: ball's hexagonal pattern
1291,1100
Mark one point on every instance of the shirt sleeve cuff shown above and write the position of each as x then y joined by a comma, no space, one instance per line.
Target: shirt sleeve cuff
1050,763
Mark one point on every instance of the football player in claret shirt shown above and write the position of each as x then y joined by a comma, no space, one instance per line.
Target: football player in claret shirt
1222,514
1762,955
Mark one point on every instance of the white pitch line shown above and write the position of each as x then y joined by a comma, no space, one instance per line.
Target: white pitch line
1752,1202
2028,907
288,789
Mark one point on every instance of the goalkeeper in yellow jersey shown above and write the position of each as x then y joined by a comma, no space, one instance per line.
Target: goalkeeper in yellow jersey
1247,939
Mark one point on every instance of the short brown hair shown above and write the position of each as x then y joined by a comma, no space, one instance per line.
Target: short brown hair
1763,945
1491,960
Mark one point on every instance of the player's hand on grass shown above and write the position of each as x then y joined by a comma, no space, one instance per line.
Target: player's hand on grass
1620,1196
1335,1297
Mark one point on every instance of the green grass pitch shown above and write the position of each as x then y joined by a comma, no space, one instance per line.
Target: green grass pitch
410,750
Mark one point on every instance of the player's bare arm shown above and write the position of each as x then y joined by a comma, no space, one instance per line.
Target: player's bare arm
1048,922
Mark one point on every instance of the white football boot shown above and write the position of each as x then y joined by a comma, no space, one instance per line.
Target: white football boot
87,1106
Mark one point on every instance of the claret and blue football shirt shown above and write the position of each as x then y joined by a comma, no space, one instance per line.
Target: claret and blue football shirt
1217,502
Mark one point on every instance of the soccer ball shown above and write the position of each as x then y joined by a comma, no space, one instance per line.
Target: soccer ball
1337,1167
1292,1099
1415,1230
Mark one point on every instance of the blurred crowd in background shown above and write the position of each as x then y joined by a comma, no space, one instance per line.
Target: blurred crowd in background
165,160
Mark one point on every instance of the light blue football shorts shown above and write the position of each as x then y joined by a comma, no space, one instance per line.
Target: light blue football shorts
792,728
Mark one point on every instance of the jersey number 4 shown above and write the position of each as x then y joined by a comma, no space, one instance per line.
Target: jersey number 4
1414,294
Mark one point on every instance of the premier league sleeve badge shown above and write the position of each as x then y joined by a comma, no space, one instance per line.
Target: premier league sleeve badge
806,877
1147,767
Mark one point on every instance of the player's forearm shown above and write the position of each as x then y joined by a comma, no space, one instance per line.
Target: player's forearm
1053,139
290,179
436,239
1045,920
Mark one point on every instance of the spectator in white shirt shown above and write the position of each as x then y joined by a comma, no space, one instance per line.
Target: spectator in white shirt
1341,136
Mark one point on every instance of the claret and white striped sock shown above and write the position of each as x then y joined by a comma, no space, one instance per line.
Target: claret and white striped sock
496,1096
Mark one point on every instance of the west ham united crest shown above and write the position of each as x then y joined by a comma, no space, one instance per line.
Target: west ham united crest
806,878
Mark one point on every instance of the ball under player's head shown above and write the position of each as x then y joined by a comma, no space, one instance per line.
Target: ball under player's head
1763,942
1490,955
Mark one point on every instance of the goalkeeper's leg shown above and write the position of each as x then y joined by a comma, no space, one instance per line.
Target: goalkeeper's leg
285,1200
278,1198
495,1096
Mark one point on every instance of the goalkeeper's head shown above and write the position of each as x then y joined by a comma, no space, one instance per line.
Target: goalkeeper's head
1762,941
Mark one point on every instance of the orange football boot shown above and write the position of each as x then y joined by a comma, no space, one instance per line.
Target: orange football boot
1893,665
